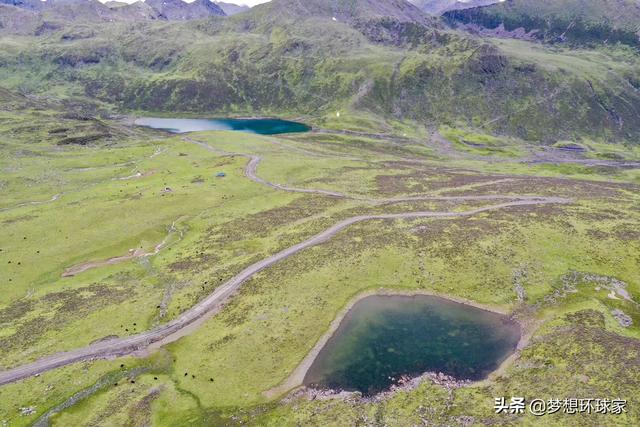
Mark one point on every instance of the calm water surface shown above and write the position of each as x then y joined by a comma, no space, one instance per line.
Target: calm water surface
385,337
259,126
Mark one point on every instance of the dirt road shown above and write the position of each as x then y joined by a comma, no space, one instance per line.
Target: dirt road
209,306
251,172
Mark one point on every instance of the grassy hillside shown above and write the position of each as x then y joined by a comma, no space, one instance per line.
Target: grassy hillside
576,21
350,11
278,59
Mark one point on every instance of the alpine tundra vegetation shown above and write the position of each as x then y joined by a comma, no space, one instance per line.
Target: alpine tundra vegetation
481,153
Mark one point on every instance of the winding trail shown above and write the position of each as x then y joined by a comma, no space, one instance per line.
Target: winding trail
206,308
55,197
199,313
251,172
133,253
34,203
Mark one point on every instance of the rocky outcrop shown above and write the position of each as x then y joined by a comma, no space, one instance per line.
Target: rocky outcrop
438,7
178,10
231,8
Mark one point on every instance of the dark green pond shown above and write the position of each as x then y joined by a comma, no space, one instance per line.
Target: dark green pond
259,126
385,337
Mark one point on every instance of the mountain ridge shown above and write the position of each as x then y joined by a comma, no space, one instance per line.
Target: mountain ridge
173,10
371,60
438,7
575,21
95,11
231,8
344,11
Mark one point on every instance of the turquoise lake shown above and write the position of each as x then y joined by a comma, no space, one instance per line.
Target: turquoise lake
385,337
258,126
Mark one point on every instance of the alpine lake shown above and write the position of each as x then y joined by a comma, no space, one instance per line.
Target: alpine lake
258,126
384,338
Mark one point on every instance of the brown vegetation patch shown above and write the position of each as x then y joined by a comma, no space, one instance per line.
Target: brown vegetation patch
19,219
450,238
140,413
235,314
264,223
66,307
195,263
587,318
547,213
627,232
600,214
620,354
400,184
580,359
16,310
83,140
424,181
560,187
596,234
221,342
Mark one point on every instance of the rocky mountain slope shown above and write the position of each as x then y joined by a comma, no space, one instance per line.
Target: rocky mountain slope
373,57
18,21
25,4
63,12
341,11
438,7
576,21
175,10
231,8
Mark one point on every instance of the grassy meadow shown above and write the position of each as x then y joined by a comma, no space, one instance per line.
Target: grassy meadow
69,204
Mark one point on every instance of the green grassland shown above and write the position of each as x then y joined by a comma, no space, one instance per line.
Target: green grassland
114,197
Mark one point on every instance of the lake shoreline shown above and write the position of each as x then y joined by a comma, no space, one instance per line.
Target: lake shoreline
254,125
296,379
